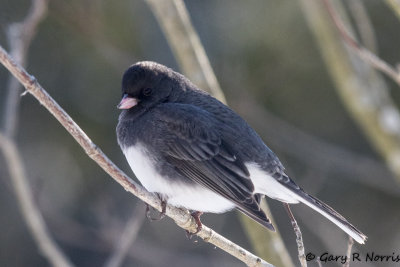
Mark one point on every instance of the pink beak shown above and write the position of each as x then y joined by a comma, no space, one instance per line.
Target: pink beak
127,102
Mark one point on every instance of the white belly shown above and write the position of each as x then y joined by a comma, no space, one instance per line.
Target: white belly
179,194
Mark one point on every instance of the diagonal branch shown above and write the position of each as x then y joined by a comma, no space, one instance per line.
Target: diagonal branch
363,92
181,217
362,52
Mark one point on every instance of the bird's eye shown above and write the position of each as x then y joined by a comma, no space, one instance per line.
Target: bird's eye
147,91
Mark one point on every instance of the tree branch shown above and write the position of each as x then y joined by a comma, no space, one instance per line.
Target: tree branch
299,236
127,238
266,243
29,210
174,20
395,5
350,244
361,51
19,36
181,217
362,90
363,24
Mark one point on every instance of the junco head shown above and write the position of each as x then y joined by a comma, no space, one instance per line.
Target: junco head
147,84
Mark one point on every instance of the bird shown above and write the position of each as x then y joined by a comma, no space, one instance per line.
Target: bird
195,152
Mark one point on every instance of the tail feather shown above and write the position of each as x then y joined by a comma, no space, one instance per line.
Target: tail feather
258,216
330,214
281,187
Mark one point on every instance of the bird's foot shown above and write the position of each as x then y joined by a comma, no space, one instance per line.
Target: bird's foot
196,215
161,215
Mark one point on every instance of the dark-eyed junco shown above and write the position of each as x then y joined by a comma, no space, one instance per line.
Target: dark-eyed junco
197,153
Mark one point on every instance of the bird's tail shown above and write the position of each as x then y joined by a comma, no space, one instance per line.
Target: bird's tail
282,188
330,214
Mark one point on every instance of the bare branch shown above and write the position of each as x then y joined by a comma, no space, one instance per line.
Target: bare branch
30,211
299,236
361,51
127,238
174,20
350,244
267,243
364,24
395,5
19,36
362,90
181,217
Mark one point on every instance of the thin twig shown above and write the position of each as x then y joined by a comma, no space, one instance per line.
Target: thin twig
127,238
181,217
361,51
30,211
350,244
19,36
299,236
363,92
174,20
364,24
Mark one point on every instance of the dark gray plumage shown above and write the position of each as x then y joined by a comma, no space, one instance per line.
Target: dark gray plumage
199,154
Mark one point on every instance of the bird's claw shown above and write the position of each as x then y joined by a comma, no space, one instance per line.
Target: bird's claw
161,214
196,215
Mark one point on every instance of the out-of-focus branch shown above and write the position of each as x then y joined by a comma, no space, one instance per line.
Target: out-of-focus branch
30,211
364,24
19,36
174,20
88,21
181,217
127,238
267,243
362,90
361,51
395,5
315,152
299,236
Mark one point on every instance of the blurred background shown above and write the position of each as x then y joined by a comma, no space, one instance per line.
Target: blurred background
269,65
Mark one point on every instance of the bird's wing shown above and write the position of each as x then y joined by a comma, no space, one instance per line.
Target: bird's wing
193,142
